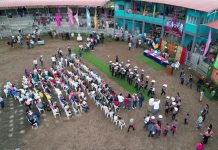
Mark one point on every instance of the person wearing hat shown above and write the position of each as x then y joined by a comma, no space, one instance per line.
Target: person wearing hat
163,90
175,110
160,117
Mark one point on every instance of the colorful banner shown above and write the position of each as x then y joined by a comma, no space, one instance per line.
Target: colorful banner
216,62
88,18
174,17
95,19
154,11
77,18
70,17
144,11
182,57
207,44
58,18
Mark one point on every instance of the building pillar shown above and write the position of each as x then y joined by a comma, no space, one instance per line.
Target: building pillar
183,38
143,27
124,24
162,31
133,26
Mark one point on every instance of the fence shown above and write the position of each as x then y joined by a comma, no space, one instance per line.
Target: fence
195,61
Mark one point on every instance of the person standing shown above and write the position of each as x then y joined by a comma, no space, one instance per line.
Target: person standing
53,60
156,106
117,59
141,99
200,146
207,135
174,127
182,72
2,102
131,124
205,111
163,90
69,50
35,62
41,60
120,99
199,122
130,45
190,81
182,79
201,95
186,119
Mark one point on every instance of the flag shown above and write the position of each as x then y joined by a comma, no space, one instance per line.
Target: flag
207,44
95,19
70,17
174,17
77,18
216,62
135,8
144,12
154,11
88,18
58,18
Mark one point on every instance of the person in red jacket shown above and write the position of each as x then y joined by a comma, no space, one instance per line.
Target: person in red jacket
126,102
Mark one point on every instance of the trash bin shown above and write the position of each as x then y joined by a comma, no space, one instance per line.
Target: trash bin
168,70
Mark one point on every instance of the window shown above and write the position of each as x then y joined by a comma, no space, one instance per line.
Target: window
121,7
191,20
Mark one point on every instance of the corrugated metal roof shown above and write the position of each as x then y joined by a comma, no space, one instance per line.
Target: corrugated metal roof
20,3
213,24
200,5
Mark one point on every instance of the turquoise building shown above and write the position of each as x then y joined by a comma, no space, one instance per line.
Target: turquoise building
184,22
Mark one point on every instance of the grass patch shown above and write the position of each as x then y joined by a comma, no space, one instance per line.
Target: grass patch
102,66
154,65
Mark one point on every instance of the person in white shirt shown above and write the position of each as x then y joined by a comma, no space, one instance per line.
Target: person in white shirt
146,121
2,103
156,106
53,60
35,62
130,45
120,99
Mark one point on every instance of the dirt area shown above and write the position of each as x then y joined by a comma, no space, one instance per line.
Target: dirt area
93,130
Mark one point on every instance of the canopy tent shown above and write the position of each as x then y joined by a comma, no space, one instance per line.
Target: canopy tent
200,5
31,3
213,24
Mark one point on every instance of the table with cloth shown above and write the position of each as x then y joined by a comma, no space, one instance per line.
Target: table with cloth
155,55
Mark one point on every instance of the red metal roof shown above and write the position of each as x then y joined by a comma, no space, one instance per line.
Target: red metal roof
213,24
200,5
20,3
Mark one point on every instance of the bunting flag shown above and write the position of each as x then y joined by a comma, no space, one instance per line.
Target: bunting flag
175,17
88,18
95,19
135,8
77,18
216,62
144,11
207,44
70,17
154,11
58,18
